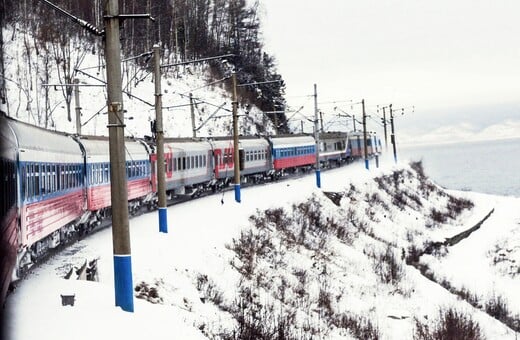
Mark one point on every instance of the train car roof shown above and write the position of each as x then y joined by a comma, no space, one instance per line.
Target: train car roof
283,142
99,146
7,140
333,134
256,142
31,137
186,145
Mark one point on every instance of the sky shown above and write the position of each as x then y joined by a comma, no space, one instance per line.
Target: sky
457,63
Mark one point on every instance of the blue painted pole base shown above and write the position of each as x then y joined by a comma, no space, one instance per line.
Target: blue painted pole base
377,161
237,193
124,287
163,220
366,164
318,178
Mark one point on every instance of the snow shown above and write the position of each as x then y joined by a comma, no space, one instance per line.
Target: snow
198,243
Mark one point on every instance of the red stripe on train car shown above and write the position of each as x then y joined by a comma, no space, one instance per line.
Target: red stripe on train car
99,197
290,162
44,217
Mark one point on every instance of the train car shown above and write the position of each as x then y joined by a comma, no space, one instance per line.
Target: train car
188,166
255,158
358,146
289,153
334,148
97,173
223,159
8,206
50,188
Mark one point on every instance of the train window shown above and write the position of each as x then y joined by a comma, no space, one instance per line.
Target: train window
183,167
204,160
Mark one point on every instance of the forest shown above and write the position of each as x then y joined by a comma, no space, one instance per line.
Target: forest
185,29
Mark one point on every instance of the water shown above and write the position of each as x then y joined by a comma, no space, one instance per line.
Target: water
491,167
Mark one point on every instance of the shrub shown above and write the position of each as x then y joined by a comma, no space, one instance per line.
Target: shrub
497,308
359,326
388,267
146,292
248,247
451,325
209,290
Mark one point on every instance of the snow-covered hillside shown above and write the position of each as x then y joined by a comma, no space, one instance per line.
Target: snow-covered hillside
27,70
335,263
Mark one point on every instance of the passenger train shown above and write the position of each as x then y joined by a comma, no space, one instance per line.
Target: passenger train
56,186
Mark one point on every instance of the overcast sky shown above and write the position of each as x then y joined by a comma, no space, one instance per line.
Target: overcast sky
456,61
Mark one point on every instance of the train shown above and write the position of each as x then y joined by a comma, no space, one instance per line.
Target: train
56,186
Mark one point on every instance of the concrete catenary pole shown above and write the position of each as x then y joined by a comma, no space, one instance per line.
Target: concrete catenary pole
78,106
124,292
392,133
159,141
236,146
384,126
192,109
365,144
317,138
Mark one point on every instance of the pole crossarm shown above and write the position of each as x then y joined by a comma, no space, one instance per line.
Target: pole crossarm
260,83
78,85
130,16
197,60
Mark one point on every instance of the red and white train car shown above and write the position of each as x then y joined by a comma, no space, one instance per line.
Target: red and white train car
255,158
223,159
188,166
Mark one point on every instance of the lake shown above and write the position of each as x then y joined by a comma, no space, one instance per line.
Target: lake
491,167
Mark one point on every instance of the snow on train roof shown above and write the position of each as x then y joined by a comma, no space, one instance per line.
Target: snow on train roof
251,143
30,137
286,142
186,145
97,149
7,141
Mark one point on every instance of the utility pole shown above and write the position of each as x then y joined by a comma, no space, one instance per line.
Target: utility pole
124,292
159,141
235,138
301,123
365,134
384,126
192,109
392,135
317,138
354,122
321,121
78,106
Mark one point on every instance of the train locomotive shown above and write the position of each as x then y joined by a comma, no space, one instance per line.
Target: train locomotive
56,186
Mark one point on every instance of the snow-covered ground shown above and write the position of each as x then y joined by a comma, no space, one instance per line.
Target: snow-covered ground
197,273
